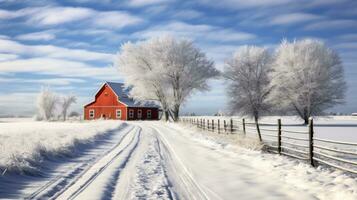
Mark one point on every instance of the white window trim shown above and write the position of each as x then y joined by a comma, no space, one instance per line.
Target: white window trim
116,113
91,114
140,114
148,114
131,113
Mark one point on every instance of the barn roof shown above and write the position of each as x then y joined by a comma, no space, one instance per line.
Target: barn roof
123,94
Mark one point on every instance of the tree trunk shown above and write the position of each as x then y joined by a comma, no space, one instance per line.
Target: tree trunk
166,114
306,120
258,129
176,112
64,116
306,117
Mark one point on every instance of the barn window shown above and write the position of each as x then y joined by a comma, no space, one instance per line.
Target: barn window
139,114
118,114
131,113
91,114
148,114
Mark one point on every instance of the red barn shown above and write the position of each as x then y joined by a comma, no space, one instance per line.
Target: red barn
112,102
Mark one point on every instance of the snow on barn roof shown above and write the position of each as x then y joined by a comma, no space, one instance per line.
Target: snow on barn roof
123,95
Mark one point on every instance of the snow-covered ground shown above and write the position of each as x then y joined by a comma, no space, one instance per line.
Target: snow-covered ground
157,160
341,128
24,143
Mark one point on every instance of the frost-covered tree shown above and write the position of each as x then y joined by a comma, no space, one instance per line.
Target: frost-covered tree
164,69
308,78
187,69
65,103
140,66
46,103
247,74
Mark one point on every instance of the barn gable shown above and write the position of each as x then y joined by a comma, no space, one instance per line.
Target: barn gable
112,101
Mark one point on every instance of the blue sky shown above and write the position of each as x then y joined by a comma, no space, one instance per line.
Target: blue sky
70,45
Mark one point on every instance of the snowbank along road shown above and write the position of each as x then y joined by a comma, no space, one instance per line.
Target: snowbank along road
155,160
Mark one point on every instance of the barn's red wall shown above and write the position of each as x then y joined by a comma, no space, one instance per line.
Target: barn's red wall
106,103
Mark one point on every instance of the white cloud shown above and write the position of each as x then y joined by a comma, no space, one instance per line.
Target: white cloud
52,81
348,37
293,18
115,19
58,15
59,67
243,4
187,14
43,35
141,3
346,45
9,46
50,15
5,56
332,24
201,31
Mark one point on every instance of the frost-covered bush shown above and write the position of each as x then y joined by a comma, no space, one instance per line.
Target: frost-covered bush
46,104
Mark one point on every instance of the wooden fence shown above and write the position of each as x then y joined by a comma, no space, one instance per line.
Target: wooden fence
281,139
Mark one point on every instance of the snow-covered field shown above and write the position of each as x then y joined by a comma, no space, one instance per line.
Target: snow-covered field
24,143
157,160
341,128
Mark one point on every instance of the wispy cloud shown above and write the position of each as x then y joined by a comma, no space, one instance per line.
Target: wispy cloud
187,14
293,18
43,35
10,46
115,19
59,67
50,82
141,3
200,31
49,16
6,56
332,24
243,4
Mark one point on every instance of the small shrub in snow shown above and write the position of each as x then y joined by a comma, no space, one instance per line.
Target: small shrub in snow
46,104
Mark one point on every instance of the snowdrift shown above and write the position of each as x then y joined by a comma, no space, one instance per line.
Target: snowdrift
25,144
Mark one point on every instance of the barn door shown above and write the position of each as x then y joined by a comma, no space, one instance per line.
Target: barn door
140,114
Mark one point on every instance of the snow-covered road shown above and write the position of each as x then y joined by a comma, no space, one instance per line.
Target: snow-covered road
155,160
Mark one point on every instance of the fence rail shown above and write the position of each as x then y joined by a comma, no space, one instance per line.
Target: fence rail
283,141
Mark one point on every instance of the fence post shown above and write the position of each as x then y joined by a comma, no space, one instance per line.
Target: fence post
244,126
212,125
207,124
219,127
279,136
311,141
231,126
225,127
204,124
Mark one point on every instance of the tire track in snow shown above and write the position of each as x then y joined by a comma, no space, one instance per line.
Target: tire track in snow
102,169
150,179
61,181
111,186
185,176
